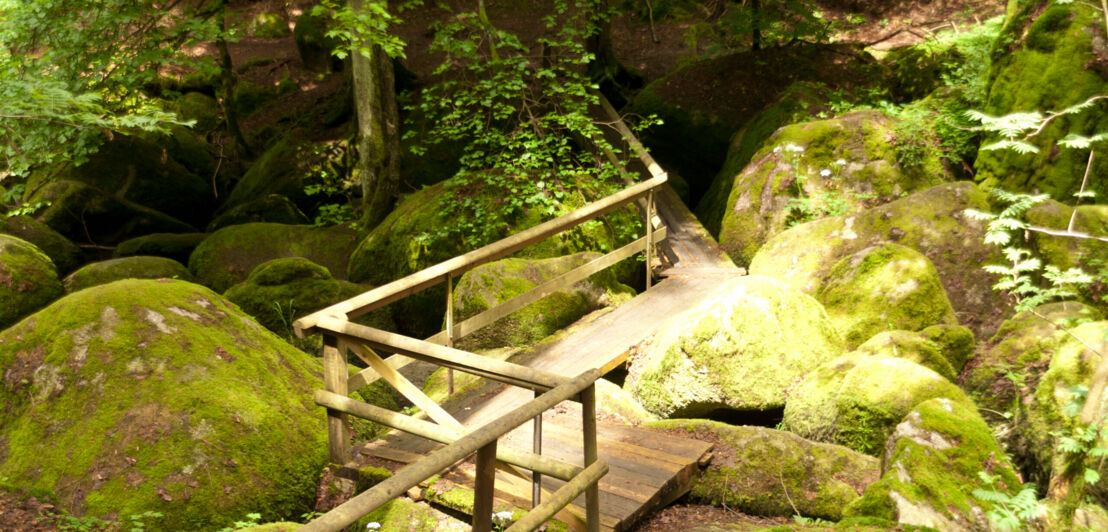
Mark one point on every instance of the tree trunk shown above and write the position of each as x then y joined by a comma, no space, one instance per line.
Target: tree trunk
378,125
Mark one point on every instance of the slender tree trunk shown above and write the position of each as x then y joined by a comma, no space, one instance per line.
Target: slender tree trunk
227,83
378,131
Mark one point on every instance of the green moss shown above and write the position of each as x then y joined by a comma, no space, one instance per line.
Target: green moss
65,254
856,400
28,280
1066,252
881,288
932,466
403,514
955,341
273,208
370,476
228,256
145,395
732,351
137,267
910,346
176,246
766,472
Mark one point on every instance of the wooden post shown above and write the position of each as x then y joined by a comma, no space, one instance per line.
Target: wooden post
649,234
449,329
483,488
588,425
335,375
536,448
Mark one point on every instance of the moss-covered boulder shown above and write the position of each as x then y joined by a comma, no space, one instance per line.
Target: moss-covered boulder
159,396
931,467
229,255
138,170
280,291
955,341
313,44
176,246
65,254
137,267
814,169
83,213
931,221
1006,368
615,402
912,346
28,279
741,348
768,472
800,102
494,283
1068,252
884,287
1049,416
1050,56
465,212
284,169
856,400
272,208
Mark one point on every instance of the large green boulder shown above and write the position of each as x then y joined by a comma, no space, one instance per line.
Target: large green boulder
150,396
1050,56
272,208
137,267
280,291
285,169
65,254
856,400
741,349
465,212
84,213
494,283
1005,369
884,287
930,221
766,472
931,467
229,255
28,280
912,346
1058,397
806,171
176,246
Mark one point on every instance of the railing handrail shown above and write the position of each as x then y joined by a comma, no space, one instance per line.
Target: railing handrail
350,511
453,267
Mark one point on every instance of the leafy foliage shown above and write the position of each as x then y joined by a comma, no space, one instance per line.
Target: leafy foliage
1009,512
780,22
361,27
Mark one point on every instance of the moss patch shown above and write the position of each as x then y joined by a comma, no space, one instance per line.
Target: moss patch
145,395
910,346
739,349
65,254
138,267
28,280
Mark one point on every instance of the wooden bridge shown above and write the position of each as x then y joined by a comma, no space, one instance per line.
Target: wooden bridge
564,464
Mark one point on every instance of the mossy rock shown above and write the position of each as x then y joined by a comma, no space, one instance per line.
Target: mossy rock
615,402
800,102
918,70
192,150
930,221
82,213
137,170
137,267
282,526
1047,420
159,396
251,97
1050,57
228,256
955,341
494,283
269,26
273,208
176,246
413,237
931,467
403,514
820,168
313,44
856,400
768,472
1006,369
65,254
199,107
280,291
1067,252
28,280
741,348
284,169
909,345
884,287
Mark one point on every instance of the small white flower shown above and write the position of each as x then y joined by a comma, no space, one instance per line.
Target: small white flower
825,172
373,526
777,149
793,148
502,518
840,162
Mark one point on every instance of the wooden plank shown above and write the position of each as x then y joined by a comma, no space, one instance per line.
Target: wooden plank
422,279
405,387
483,488
335,375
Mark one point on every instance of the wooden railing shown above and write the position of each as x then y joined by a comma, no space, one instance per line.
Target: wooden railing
341,336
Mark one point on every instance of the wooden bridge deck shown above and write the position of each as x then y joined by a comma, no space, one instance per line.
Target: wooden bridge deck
649,468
